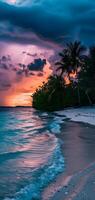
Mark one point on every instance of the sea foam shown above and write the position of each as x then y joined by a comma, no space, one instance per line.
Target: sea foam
42,178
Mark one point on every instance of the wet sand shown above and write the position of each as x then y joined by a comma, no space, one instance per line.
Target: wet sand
77,182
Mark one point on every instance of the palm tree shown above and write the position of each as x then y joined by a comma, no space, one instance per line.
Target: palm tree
64,63
91,63
55,84
87,74
72,60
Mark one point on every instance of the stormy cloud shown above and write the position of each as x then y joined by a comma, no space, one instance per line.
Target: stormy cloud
37,65
53,21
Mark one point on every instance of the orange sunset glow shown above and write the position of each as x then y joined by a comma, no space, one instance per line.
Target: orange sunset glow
22,83
21,92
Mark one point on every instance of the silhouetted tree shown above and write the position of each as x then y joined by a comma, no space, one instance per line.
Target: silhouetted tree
56,94
72,58
87,74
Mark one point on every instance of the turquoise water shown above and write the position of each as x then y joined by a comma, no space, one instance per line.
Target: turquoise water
30,156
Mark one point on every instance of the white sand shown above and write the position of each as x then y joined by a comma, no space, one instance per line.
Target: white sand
86,115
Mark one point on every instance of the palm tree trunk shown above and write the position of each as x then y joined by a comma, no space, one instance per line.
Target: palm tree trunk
90,102
79,100
49,98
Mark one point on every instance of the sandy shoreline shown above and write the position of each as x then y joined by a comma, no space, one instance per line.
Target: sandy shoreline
83,114
77,182
80,187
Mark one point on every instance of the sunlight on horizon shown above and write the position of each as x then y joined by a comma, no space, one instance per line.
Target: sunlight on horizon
23,99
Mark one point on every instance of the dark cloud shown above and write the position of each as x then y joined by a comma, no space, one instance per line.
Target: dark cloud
5,82
5,62
30,54
38,21
19,72
32,74
40,74
4,66
5,59
22,65
9,74
22,72
37,65
53,21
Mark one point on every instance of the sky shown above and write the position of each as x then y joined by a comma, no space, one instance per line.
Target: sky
32,32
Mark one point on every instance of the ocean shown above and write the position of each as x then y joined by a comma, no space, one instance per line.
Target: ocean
30,154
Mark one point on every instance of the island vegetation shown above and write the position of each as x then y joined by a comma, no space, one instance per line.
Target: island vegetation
73,85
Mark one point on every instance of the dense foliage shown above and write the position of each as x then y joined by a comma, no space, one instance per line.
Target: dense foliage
56,93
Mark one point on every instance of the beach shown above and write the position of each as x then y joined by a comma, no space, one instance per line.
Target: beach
52,156
80,186
77,182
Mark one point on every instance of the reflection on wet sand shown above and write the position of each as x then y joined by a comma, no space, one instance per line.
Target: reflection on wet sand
78,146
